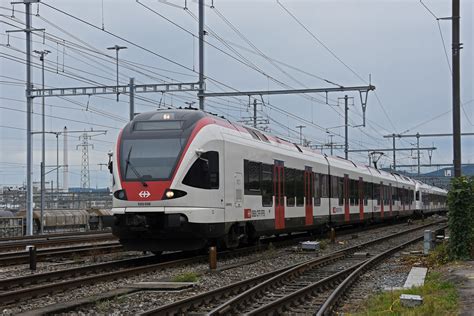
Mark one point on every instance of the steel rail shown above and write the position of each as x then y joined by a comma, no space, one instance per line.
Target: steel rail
54,242
37,291
247,286
22,257
54,235
249,295
337,294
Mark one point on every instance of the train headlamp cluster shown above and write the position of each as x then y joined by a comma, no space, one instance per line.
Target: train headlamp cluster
173,194
120,194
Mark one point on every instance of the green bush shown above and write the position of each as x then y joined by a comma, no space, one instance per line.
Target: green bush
461,218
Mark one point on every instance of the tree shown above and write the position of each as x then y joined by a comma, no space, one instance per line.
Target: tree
461,218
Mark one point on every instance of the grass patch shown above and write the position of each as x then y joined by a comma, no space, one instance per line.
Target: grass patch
186,277
439,298
439,256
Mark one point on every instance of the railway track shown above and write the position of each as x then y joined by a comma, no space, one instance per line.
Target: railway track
22,257
25,288
53,235
51,241
284,291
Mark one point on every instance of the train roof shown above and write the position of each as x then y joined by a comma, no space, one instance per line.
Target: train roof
191,115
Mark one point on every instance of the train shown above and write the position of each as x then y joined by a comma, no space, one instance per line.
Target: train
184,179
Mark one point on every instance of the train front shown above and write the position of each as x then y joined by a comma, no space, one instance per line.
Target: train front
166,187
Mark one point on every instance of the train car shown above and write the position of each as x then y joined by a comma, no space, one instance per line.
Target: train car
183,179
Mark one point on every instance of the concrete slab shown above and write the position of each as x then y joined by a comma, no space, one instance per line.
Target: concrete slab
168,286
409,300
416,277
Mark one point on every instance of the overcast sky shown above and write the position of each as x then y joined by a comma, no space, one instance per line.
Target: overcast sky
397,43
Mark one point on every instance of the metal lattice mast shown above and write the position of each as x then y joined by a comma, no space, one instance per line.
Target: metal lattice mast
85,173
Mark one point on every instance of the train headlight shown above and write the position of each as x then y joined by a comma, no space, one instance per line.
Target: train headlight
173,194
120,194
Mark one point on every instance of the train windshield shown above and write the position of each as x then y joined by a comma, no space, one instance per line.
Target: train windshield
149,159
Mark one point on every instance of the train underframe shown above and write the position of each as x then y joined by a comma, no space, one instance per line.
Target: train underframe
159,232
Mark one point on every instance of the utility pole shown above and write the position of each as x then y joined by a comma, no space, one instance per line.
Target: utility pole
418,151
42,54
29,110
394,164
301,133
117,48
255,115
456,49
29,138
201,54
346,126
331,144
132,98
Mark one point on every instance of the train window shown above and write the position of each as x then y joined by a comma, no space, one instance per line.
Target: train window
368,192
290,186
353,192
417,195
157,125
267,185
340,190
204,173
334,187
324,180
376,194
252,177
299,185
317,188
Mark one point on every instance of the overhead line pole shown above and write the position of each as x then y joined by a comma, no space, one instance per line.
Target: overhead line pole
456,49
42,54
29,140
201,54
346,127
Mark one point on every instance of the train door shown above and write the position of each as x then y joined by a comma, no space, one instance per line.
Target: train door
308,194
347,215
361,198
279,191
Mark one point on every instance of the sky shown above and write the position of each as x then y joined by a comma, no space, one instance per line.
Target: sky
251,45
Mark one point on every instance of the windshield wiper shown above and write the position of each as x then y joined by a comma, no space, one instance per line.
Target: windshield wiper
135,171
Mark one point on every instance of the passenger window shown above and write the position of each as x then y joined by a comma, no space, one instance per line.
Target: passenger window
299,183
252,177
267,185
204,173
317,189
290,186
324,185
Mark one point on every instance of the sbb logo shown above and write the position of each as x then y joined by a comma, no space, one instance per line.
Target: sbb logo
144,194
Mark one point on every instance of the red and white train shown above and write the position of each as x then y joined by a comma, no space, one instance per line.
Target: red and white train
184,179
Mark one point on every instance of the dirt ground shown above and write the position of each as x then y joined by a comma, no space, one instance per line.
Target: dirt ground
462,274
